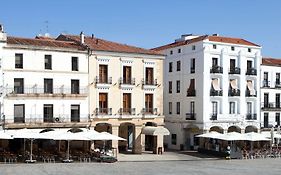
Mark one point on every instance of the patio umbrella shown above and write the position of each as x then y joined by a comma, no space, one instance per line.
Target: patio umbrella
231,136
253,136
5,135
211,134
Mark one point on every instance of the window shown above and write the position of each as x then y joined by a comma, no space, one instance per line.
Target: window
265,100
48,113
178,86
232,48
265,120
215,62
249,50
277,79
277,100
214,46
231,107
170,87
170,66
192,107
171,52
178,65
174,139
75,113
149,76
74,63
19,60
193,47
192,65
103,77
249,64
179,50
249,108
127,75
48,62
48,86
277,119
103,103
18,86
149,103
74,86
232,64
214,107
265,79
127,103
170,107
178,107
19,113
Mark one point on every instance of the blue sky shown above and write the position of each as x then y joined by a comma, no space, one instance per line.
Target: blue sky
148,23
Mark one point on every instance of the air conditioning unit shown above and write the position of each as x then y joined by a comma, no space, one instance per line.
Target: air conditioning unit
57,119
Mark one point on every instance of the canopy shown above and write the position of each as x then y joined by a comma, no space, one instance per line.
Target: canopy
253,136
251,87
106,136
233,84
27,134
152,130
211,134
231,136
5,135
215,83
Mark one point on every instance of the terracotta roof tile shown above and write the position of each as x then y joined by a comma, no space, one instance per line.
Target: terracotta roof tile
104,45
271,61
44,43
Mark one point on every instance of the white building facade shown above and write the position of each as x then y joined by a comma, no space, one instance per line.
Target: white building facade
44,83
270,93
211,83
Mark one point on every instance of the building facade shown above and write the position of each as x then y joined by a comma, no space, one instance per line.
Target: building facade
270,93
211,83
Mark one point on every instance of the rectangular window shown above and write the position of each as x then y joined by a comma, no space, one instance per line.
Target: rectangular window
171,52
265,120
214,46
277,100
103,103
178,86
48,62
48,113
149,103
178,65
178,107
249,50
193,47
170,107
249,64
127,75
170,87
265,100
74,63
19,60
74,86
127,103
277,119
174,139
103,73
249,108
19,113
232,64
231,107
192,65
277,79
149,76
192,107
215,62
265,76
179,50
232,48
214,107
18,86
75,113
48,86
170,66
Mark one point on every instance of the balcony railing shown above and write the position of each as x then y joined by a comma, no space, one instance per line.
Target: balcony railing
277,84
103,111
192,70
190,116
214,117
234,92
149,111
251,117
129,81
216,92
271,106
248,94
127,111
251,71
265,83
41,90
234,70
149,82
99,80
216,69
191,93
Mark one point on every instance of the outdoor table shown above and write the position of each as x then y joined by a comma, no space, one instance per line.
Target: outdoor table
67,161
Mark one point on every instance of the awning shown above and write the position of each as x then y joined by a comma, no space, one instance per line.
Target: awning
152,130
251,87
191,85
215,83
233,84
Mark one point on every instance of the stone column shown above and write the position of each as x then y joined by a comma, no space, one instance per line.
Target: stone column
137,147
115,131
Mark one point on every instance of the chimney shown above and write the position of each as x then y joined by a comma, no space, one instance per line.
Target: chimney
93,36
82,38
1,28
3,35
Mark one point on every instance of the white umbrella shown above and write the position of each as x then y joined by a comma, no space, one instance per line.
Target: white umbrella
5,135
231,136
211,134
253,136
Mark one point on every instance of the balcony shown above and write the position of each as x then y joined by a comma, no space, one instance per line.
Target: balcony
149,111
127,111
126,83
234,70
190,116
216,92
277,84
271,106
103,111
251,71
252,93
265,84
216,70
149,84
234,92
31,91
214,117
99,80
191,93
251,117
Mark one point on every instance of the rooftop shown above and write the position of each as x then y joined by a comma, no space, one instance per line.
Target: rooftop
271,61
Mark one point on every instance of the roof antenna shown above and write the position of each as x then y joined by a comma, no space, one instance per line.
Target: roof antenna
47,26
